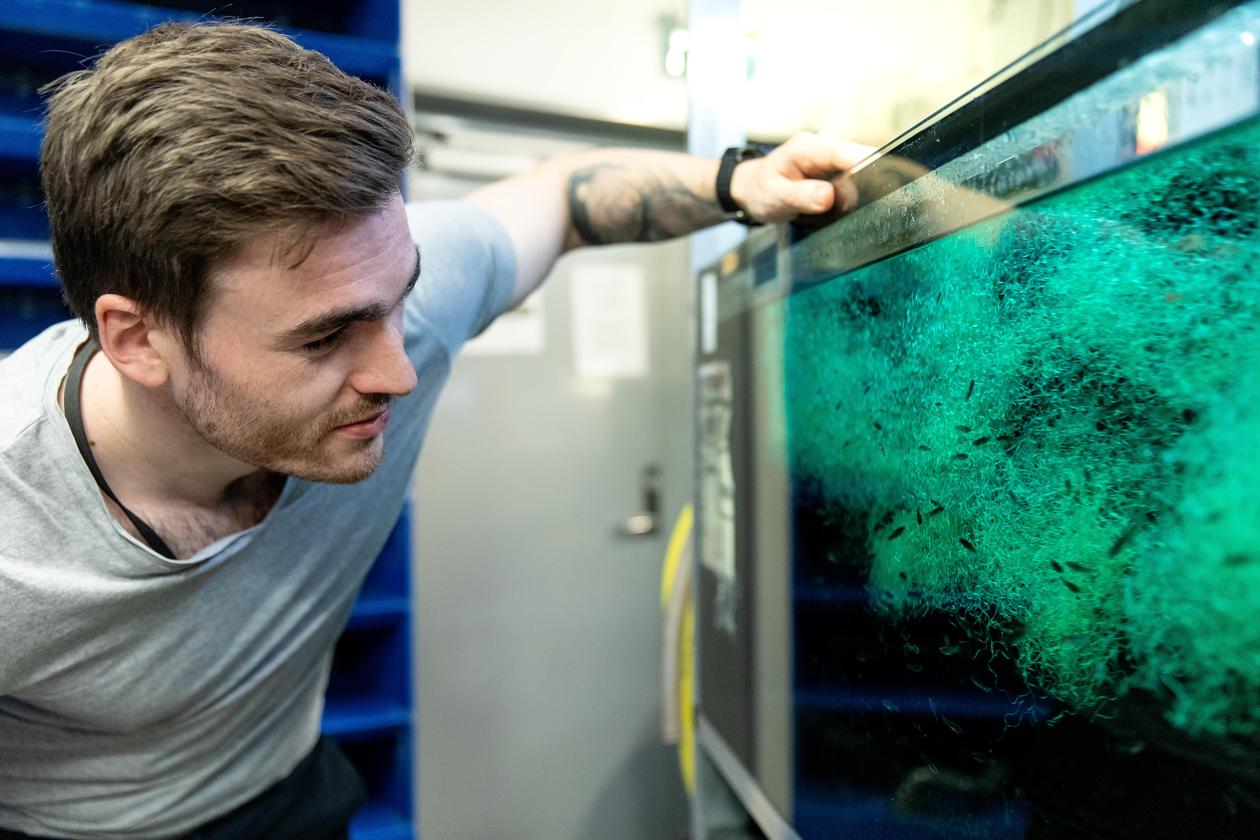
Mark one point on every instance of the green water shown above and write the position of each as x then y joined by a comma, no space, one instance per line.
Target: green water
1051,423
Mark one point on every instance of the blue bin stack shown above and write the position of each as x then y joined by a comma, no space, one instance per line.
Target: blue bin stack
369,705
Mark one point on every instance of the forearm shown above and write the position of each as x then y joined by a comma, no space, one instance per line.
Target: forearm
599,197
607,196
630,195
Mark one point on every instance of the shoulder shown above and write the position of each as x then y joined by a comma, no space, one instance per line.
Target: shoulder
458,236
439,222
37,480
467,268
25,377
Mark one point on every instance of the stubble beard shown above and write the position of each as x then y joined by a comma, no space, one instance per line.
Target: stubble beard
250,430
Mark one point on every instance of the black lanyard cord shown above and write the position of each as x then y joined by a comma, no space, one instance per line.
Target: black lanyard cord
74,416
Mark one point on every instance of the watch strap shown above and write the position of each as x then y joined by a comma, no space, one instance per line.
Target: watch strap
731,158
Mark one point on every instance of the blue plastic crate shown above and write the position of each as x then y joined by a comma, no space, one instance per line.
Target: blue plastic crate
369,706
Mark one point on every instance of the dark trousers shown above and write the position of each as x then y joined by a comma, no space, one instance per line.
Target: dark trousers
314,802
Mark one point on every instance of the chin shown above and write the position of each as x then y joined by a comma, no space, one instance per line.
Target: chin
348,469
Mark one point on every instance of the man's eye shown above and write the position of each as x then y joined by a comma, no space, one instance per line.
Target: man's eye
324,343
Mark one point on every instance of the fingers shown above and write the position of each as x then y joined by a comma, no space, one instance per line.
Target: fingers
824,154
846,194
845,153
807,196
799,177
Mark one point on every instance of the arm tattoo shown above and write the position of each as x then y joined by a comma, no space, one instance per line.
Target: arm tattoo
611,203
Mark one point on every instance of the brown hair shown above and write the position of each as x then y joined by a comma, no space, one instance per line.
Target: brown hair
183,142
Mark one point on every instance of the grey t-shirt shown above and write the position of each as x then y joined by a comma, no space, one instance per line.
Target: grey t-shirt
140,696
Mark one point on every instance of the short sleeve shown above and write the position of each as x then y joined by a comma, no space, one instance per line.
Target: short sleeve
467,269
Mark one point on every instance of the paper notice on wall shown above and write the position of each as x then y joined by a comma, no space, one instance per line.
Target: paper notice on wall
610,329
717,476
518,332
717,490
708,312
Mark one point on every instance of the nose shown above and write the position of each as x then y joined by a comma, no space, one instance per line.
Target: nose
383,366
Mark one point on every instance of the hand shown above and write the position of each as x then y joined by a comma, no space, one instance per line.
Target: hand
799,177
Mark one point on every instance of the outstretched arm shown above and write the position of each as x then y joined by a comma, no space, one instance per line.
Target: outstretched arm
608,196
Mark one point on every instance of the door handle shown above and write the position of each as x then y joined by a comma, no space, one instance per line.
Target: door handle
644,523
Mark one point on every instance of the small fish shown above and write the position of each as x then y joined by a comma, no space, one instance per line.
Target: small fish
967,545
951,726
1123,540
1072,586
918,516
878,427
1074,566
961,456
963,429
1054,564
938,504
1067,484
891,706
970,388
980,441
896,533
987,689
949,650
914,669
923,448
935,510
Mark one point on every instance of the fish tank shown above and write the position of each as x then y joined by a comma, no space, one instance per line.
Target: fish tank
979,462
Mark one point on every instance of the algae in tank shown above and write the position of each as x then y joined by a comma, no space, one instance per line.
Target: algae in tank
1048,425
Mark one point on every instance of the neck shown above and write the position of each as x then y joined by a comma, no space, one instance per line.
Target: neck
147,450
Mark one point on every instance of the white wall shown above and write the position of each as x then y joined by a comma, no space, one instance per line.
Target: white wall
602,60
868,70
871,70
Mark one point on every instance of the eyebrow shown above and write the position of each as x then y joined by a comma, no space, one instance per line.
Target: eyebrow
327,322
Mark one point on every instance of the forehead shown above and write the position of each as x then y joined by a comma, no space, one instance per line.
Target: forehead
348,262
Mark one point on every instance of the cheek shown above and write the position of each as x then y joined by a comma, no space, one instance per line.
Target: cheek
280,388
307,390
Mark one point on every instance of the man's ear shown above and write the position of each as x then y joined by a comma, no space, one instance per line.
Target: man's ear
135,344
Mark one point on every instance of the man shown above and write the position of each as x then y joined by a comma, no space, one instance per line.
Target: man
199,471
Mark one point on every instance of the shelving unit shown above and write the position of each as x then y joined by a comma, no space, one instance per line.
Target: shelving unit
369,706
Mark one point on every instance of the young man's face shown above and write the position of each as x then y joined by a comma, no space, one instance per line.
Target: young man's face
300,364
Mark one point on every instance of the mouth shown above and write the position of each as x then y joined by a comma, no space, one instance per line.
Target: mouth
365,429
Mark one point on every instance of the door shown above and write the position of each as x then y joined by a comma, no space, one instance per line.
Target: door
538,625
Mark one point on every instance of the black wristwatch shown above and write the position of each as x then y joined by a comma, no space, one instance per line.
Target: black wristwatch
731,158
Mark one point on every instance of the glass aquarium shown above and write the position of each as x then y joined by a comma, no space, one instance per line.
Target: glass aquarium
979,520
